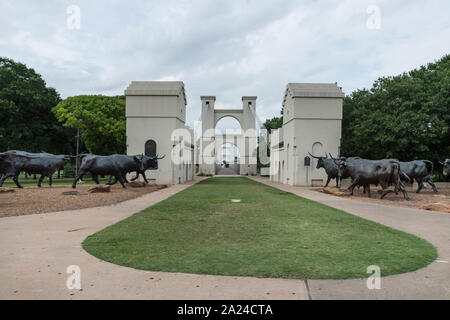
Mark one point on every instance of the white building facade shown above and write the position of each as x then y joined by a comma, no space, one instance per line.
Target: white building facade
154,112
312,116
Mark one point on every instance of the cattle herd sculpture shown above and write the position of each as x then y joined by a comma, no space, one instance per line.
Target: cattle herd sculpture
446,165
385,172
13,162
363,172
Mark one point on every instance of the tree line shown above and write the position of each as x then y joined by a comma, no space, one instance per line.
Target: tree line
35,118
405,116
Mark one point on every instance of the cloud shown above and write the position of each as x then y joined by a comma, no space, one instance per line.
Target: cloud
228,48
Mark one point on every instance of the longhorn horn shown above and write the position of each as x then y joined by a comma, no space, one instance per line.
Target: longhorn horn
313,156
161,157
441,162
336,161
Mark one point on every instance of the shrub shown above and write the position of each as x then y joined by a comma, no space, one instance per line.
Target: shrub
69,170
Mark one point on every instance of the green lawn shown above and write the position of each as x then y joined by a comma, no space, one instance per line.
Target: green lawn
271,233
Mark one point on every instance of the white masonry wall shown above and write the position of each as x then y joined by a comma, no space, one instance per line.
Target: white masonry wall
154,109
311,123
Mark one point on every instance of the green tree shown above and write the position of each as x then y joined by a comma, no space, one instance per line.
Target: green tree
101,120
269,124
405,116
25,110
274,123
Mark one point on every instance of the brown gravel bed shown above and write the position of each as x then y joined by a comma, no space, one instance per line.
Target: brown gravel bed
426,196
34,200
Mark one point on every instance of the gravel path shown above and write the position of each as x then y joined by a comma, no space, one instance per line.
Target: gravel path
32,200
426,196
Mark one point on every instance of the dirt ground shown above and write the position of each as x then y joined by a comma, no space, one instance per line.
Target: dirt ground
425,197
32,200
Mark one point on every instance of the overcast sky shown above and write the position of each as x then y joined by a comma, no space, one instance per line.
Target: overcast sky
222,48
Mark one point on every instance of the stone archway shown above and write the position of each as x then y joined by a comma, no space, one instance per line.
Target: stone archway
229,159
316,174
210,141
223,114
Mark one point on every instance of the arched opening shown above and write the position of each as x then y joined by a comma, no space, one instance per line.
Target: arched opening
317,151
317,175
228,160
150,148
228,125
287,163
228,154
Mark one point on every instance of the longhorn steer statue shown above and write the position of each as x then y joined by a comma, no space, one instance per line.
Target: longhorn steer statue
11,164
366,172
446,165
150,163
417,170
331,168
130,165
45,164
343,173
116,165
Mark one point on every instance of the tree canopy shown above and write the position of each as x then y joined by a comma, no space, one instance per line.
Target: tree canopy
101,120
269,124
405,116
274,123
25,110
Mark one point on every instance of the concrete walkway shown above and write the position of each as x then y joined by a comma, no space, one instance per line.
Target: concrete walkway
432,282
35,251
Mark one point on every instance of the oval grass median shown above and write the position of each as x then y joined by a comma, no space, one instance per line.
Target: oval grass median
270,233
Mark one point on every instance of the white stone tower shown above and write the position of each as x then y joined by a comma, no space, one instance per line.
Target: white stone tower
312,115
154,109
246,142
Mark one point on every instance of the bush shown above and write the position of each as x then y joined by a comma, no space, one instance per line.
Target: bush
69,170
